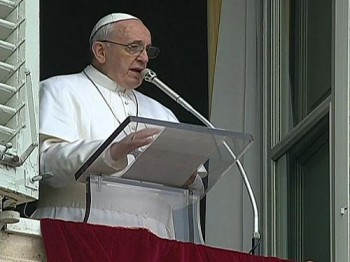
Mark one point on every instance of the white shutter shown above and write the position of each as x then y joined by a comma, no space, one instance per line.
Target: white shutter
19,80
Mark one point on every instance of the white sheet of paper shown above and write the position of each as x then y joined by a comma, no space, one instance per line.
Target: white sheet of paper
172,157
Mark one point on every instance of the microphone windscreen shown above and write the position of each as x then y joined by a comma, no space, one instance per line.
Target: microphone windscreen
148,75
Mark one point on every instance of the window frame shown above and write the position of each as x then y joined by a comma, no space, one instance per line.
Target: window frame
337,105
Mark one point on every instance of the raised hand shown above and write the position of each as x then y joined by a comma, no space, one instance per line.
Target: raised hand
132,142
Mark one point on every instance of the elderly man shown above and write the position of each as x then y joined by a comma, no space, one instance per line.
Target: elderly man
79,111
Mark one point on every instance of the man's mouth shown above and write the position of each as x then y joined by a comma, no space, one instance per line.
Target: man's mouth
136,70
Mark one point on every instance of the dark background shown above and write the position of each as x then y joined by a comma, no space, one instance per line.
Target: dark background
178,28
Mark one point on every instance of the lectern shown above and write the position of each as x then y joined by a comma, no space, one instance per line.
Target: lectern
158,171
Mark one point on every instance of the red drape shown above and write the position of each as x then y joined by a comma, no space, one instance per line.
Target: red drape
72,241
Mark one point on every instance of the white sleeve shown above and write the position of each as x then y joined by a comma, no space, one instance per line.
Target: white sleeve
63,150
197,185
63,160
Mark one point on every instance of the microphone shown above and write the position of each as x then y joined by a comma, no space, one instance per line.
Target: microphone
151,77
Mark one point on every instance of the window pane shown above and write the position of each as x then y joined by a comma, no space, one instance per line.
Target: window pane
305,58
303,198
318,53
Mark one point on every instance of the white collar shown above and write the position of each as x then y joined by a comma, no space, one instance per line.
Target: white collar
102,80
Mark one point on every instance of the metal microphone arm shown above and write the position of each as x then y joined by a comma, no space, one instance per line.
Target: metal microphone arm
151,77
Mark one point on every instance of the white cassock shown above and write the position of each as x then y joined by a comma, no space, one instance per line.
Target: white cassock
74,121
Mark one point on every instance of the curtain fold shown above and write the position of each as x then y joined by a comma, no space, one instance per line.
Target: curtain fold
75,241
214,13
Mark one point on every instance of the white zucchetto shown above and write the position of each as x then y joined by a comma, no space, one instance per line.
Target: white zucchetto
108,19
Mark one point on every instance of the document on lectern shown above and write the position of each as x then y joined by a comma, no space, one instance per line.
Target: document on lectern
172,157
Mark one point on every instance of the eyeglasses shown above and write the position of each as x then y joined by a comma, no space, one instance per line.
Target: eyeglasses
137,49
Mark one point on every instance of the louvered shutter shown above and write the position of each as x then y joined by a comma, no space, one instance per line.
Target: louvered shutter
19,79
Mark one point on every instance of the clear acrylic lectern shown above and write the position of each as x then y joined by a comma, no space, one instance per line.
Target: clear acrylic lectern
158,171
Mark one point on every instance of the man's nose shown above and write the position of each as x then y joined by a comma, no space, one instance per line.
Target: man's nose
143,56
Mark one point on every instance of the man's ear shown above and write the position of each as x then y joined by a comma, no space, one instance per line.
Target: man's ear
98,49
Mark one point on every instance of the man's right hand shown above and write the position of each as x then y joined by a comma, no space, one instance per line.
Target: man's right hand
133,141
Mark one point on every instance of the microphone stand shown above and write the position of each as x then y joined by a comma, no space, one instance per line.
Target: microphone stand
151,77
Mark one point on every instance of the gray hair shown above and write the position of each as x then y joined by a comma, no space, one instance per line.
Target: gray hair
101,34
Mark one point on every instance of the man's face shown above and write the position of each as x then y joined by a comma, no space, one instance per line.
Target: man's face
120,65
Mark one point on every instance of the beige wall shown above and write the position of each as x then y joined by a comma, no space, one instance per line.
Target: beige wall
16,247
